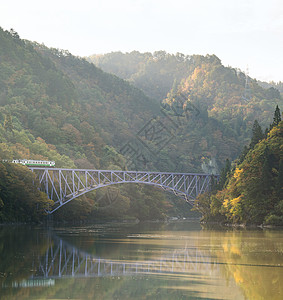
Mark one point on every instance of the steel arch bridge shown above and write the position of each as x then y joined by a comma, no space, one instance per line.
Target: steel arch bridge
64,185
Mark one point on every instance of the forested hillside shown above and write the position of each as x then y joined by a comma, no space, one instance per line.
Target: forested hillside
227,94
154,73
194,81
57,106
252,191
78,111
276,85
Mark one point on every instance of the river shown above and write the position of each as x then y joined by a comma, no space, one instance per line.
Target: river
178,260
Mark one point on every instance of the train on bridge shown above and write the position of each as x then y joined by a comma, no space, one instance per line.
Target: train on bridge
32,163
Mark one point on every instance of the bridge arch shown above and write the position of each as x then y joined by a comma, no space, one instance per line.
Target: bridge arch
64,185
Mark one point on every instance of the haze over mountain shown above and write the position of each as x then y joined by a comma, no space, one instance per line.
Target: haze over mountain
166,112
224,93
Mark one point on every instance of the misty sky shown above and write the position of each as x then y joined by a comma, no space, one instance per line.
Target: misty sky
240,32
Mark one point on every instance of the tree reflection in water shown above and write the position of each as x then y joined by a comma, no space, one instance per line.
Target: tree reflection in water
159,261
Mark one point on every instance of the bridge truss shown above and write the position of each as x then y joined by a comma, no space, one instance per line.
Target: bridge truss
64,185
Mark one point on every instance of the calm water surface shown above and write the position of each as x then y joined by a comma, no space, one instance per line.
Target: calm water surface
140,261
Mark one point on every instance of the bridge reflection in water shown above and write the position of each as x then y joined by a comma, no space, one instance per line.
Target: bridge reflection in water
62,260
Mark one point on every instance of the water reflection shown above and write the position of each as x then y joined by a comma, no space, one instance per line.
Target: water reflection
151,261
64,260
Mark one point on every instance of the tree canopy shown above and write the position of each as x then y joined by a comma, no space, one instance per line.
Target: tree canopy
253,193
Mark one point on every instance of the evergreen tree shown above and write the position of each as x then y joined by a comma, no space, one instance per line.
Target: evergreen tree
276,118
224,174
257,134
